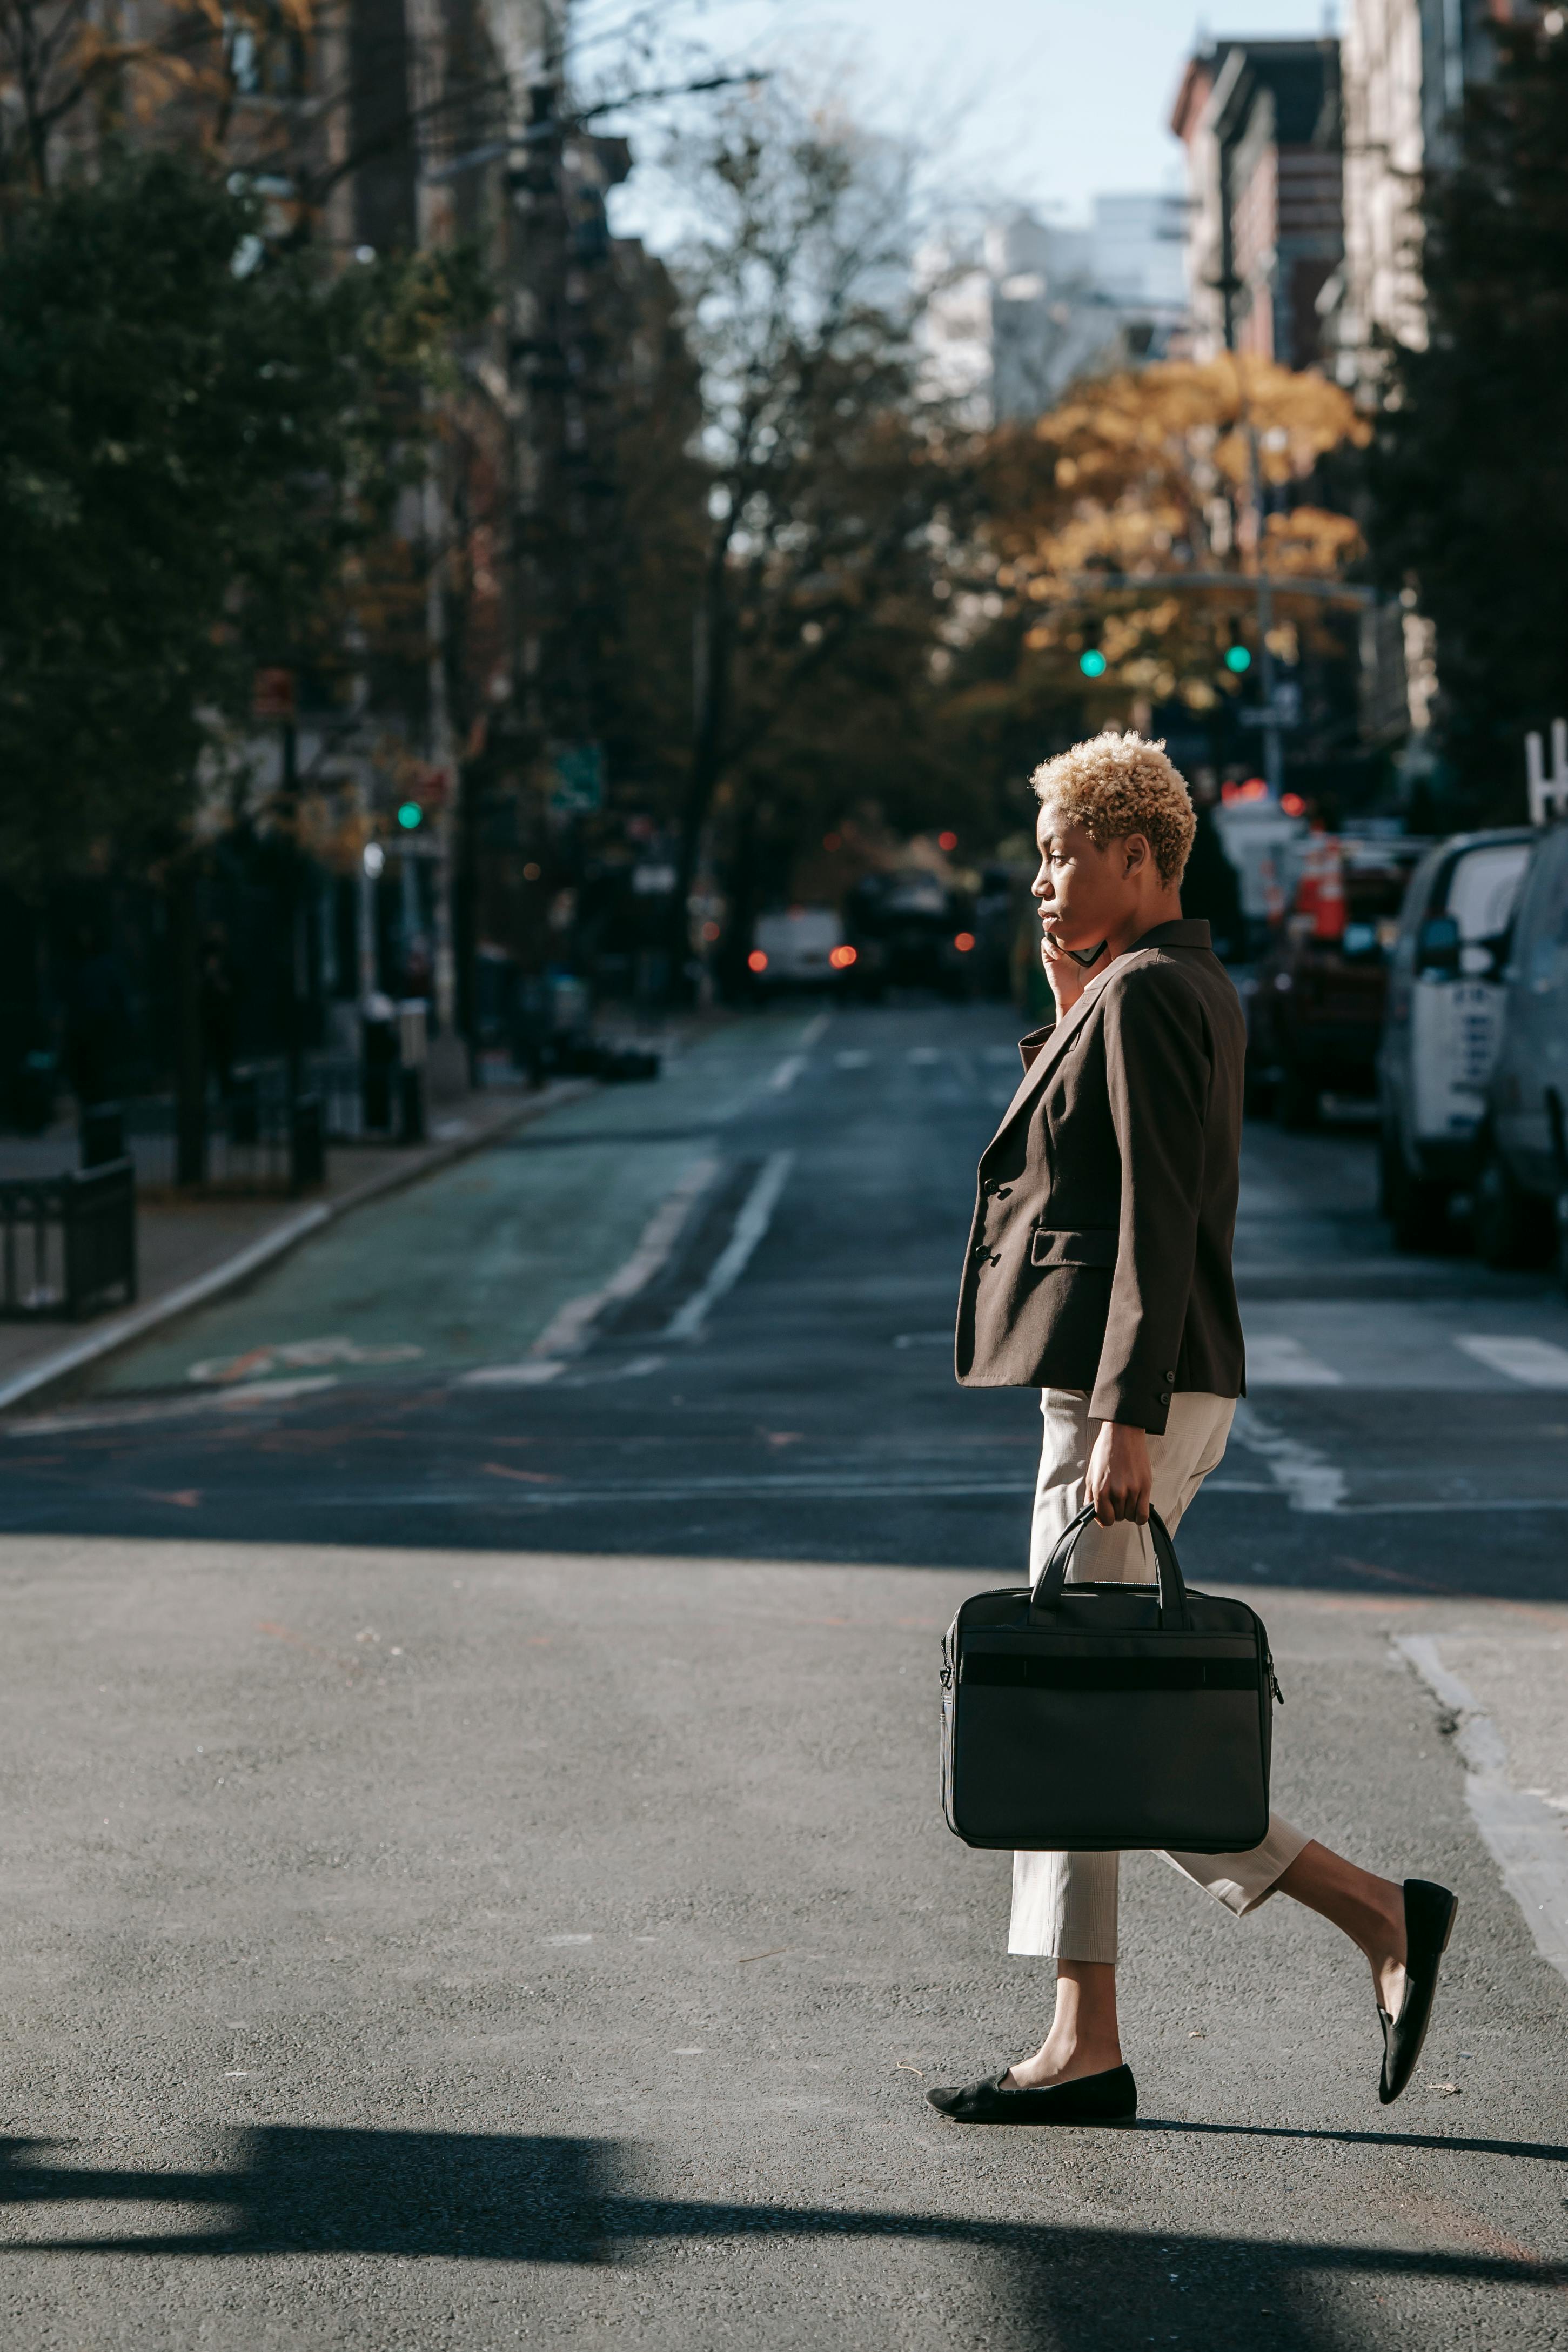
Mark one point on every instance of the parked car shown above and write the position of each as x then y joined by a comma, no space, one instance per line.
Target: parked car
1444,1025
1522,1178
806,947
1315,1009
912,931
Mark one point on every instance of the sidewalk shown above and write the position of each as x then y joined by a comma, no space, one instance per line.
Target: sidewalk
191,1250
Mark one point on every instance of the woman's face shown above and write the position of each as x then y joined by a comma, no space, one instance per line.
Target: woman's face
1083,893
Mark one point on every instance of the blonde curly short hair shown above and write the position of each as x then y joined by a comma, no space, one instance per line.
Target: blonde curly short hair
1116,784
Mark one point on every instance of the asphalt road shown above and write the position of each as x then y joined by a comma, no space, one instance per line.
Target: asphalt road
457,1367
522,1913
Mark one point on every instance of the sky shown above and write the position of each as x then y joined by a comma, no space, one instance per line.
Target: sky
1048,102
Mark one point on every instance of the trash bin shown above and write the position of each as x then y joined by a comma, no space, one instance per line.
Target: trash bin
307,1144
102,1134
34,1085
378,1059
411,1053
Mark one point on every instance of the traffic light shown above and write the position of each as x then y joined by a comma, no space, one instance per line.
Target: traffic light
1092,661
410,816
1238,654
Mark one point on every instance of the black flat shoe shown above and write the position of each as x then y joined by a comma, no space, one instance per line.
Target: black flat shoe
1430,1913
1108,2098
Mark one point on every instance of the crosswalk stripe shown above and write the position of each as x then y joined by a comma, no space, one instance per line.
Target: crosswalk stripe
1277,1362
1538,1363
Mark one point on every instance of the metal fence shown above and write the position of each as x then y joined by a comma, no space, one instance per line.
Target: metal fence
256,1138
67,1243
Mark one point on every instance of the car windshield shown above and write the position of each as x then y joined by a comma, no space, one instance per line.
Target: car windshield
1483,887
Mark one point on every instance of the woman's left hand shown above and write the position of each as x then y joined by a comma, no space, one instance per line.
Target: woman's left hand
1119,1479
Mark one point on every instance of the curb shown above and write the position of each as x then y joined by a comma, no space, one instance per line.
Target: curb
227,1275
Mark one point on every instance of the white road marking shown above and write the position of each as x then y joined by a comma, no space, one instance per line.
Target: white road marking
1277,1362
784,1076
1308,1477
255,1363
569,1330
920,1055
815,1028
1522,1831
851,1059
756,1215
512,1376
1538,1363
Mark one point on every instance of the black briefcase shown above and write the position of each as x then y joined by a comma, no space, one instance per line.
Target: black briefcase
1098,1717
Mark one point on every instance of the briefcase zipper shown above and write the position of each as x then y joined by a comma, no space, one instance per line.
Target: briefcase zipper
1273,1678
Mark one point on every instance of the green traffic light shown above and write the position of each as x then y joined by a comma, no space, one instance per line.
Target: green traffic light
410,814
1238,659
1092,663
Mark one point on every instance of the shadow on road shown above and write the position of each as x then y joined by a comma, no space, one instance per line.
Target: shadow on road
488,2197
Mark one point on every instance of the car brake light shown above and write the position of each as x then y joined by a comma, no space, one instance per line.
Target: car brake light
756,960
841,958
965,941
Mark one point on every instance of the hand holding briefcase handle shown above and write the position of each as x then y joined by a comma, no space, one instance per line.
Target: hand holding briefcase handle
1169,1584
1100,1717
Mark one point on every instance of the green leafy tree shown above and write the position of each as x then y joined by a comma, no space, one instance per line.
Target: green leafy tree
200,446
1469,468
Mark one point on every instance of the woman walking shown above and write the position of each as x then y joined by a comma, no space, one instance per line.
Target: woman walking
1099,1271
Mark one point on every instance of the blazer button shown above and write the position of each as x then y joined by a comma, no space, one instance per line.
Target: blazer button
1170,1376
982,1251
1164,1396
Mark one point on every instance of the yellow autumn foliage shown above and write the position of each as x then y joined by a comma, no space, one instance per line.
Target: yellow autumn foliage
1153,473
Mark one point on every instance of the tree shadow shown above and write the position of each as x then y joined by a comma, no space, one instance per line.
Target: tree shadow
538,2200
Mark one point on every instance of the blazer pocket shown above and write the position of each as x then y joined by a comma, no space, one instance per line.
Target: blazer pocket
1051,1246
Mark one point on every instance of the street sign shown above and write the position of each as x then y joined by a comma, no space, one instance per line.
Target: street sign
578,787
1284,711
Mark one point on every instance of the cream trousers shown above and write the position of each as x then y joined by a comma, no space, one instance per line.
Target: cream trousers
1065,1905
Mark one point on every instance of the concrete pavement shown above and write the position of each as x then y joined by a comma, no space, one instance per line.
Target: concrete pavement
407,1949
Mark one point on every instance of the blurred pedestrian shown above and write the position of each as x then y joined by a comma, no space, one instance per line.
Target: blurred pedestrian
1120,1151
1211,886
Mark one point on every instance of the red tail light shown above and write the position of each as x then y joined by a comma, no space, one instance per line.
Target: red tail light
756,960
965,941
841,958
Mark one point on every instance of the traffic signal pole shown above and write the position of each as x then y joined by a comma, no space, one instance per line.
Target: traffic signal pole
1273,746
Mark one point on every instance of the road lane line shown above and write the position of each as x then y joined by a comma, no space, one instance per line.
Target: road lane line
512,1376
1537,1363
756,1215
1308,1477
1522,1833
569,1330
784,1076
1277,1362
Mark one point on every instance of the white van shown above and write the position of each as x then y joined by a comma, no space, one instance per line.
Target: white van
1444,1025
805,948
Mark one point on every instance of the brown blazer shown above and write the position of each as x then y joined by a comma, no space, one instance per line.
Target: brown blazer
1100,1253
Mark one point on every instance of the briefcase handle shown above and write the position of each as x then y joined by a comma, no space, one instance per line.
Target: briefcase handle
1167,1569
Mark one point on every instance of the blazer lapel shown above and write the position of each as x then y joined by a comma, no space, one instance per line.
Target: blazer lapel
1050,1053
